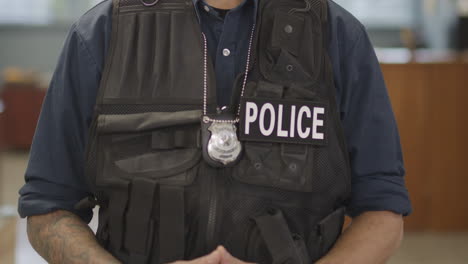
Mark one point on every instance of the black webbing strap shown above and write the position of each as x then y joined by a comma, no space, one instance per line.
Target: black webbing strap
117,205
277,237
139,232
172,223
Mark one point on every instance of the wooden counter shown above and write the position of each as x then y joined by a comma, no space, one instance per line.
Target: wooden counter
430,104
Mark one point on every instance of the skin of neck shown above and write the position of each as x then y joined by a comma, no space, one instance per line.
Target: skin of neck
224,4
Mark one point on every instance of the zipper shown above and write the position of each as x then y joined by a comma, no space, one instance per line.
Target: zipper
212,212
250,242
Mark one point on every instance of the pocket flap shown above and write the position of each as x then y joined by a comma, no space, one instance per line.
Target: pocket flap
288,69
163,163
163,146
287,32
146,121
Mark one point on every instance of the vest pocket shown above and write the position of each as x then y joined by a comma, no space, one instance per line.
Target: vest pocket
269,240
255,247
286,35
159,146
327,232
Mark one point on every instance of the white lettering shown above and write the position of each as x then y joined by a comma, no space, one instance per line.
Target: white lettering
317,123
269,131
300,131
251,110
292,128
280,131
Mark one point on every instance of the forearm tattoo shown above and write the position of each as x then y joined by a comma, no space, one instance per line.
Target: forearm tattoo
62,237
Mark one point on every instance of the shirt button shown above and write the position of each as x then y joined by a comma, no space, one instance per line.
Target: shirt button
226,52
207,9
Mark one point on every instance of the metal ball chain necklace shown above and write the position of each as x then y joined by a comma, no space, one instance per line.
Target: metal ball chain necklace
222,147
207,119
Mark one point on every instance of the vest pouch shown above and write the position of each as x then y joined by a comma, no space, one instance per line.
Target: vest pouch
269,240
286,166
255,248
327,231
145,162
158,145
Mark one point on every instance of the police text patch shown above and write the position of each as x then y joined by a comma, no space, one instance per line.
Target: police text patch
273,120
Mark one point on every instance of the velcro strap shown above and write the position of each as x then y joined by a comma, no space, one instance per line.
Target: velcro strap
180,138
296,150
117,205
139,235
270,90
172,224
277,237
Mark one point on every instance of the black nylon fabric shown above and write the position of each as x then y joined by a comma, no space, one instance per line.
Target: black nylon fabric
154,69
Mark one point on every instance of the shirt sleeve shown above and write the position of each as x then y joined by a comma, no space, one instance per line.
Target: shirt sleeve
55,173
371,133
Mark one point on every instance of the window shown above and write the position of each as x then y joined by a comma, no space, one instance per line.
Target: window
383,13
43,12
26,12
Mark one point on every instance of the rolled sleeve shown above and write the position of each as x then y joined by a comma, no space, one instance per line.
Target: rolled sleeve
379,193
55,173
377,170
34,201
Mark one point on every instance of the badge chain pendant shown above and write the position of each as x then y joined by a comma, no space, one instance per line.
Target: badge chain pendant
223,145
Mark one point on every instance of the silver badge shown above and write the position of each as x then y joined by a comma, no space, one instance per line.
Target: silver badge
223,145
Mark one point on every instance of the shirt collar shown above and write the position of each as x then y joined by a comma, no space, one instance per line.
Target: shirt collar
198,4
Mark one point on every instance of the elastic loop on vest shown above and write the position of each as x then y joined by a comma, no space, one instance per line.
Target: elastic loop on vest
117,206
140,225
173,139
149,4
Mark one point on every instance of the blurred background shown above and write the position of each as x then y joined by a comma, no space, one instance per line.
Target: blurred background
421,44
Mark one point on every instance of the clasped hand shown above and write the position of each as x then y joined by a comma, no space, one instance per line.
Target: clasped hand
219,256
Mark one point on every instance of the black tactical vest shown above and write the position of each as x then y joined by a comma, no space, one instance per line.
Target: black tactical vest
159,200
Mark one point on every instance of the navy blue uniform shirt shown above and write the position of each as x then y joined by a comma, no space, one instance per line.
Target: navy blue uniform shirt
55,177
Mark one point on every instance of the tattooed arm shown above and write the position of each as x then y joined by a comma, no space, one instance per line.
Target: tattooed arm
62,237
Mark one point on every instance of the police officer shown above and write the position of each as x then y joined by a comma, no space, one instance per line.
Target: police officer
216,132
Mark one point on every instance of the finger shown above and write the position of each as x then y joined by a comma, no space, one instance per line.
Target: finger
213,258
227,258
